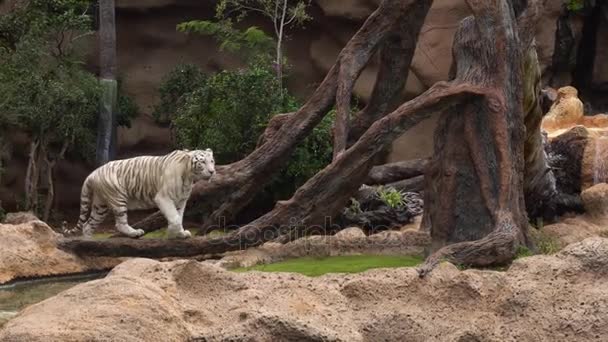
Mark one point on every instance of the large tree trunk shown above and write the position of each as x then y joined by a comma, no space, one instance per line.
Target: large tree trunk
395,172
474,200
106,134
236,184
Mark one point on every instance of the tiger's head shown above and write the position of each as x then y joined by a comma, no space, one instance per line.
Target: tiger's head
203,164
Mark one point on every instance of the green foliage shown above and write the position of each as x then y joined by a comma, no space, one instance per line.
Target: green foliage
253,42
127,109
55,21
575,5
44,88
522,252
313,266
391,196
295,13
228,112
312,154
178,84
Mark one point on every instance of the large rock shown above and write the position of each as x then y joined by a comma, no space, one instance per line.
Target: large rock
20,217
573,229
540,298
29,250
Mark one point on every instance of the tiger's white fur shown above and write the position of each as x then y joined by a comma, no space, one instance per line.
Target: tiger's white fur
145,182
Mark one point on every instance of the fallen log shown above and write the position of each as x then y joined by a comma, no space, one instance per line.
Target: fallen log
146,248
393,172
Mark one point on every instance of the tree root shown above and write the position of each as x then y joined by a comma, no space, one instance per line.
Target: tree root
496,248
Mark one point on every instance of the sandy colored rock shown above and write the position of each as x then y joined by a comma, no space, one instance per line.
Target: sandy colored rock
594,165
414,225
29,250
595,200
350,233
540,298
20,217
566,111
577,228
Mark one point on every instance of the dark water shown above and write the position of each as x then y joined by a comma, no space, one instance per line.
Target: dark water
18,295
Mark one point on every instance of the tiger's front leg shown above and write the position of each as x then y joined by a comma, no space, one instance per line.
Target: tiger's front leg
167,207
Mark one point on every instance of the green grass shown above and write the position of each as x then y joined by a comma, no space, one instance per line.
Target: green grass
157,234
311,266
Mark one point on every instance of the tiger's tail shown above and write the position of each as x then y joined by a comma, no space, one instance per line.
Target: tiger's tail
86,197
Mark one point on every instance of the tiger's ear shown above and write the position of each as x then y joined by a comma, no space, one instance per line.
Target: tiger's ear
209,150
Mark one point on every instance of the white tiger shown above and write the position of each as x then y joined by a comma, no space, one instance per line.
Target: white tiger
145,182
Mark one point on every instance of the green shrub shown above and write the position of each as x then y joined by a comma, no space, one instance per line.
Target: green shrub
391,196
180,82
575,5
228,112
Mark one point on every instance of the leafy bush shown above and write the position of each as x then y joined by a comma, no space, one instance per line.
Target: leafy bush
575,5
229,110
180,82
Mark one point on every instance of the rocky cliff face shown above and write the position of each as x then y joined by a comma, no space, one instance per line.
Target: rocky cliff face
149,47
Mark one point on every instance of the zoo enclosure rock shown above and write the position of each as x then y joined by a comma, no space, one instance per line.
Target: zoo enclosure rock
29,250
145,300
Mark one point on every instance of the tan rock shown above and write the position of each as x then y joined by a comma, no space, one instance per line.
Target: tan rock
594,167
144,300
20,217
350,234
566,111
29,250
595,200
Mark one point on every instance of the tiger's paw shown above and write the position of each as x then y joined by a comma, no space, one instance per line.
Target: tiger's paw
180,234
138,233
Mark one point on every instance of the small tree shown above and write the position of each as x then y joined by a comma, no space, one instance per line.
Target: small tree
45,89
284,14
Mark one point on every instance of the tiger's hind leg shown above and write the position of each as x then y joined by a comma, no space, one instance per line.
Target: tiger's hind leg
98,214
122,225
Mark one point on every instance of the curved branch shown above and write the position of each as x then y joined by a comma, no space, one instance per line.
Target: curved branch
356,56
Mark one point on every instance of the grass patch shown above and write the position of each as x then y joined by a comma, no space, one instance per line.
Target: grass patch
313,267
544,243
157,234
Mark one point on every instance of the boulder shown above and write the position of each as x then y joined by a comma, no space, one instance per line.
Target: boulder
566,112
351,233
595,200
29,250
20,217
553,298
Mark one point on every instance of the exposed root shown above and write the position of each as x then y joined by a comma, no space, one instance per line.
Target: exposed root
497,248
